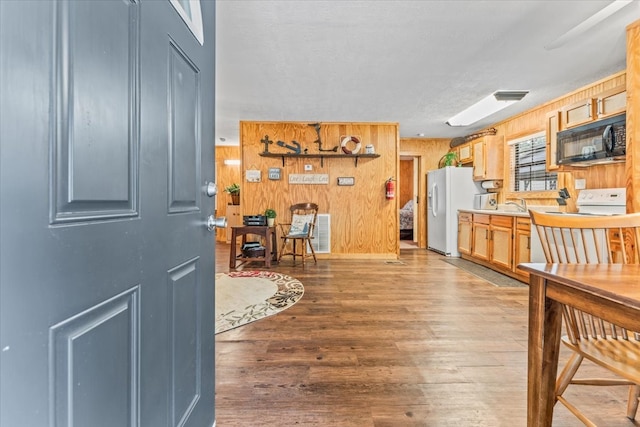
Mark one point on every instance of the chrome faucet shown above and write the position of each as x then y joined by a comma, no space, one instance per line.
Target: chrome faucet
522,206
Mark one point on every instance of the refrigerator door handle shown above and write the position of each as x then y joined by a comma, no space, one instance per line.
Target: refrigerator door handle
434,199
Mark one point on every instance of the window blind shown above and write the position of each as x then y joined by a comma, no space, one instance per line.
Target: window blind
528,165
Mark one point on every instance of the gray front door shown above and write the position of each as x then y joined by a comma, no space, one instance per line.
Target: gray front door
106,264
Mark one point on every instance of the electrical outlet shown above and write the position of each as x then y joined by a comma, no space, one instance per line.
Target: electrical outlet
581,184
308,167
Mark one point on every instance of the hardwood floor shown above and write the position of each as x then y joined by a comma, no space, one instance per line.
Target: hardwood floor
414,342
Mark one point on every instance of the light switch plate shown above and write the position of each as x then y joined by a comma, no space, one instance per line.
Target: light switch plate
308,167
581,184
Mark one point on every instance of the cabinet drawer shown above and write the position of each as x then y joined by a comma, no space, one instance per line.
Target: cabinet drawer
481,218
501,221
465,217
523,224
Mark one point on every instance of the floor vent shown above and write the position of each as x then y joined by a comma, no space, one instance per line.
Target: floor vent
395,262
322,234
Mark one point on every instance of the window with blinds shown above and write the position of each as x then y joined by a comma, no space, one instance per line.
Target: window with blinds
528,164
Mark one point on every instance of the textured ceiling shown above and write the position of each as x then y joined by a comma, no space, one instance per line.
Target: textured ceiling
413,62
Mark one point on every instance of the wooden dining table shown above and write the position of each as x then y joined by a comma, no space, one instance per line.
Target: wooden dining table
609,291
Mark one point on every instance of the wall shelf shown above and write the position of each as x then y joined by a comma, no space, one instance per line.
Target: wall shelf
319,156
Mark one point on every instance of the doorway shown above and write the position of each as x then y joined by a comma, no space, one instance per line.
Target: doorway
409,201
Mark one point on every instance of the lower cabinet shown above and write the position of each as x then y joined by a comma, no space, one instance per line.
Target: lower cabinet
465,232
522,243
480,246
498,241
501,241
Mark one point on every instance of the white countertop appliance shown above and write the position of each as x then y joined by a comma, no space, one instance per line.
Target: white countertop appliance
602,201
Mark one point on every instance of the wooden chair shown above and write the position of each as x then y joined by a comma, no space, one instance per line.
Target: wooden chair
299,230
584,239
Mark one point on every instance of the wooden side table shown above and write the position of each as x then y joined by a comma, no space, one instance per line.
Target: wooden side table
270,245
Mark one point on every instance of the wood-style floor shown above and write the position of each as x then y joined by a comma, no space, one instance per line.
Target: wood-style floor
409,342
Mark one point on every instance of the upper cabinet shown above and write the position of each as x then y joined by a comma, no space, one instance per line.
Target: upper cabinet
553,127
465,153
606,104
612,102
488,158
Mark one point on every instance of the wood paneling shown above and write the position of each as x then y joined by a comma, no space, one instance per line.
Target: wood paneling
534,120
363,222
632,180
405,183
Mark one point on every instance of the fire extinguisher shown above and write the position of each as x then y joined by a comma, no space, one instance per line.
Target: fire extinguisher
391,189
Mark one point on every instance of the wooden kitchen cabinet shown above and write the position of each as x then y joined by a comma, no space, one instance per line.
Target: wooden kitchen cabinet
500,241
488,158
605,104
233,219
480,244
553,127
578,113
612,102
522,242
465,232
465,153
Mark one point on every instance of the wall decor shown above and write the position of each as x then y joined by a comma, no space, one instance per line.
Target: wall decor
316,178
346,140
274,174
346,180
252,175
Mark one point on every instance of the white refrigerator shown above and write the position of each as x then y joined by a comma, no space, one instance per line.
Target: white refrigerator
448,189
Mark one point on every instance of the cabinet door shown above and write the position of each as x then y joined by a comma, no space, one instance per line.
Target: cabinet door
478,160
233,219
501,247
522,249
480,246
553,127
612,102
578,114
493,157
465,154
465,234
488,158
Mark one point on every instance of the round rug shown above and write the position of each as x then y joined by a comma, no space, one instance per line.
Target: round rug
246,296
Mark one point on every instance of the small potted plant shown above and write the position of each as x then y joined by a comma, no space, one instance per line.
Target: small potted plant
234,191
271,217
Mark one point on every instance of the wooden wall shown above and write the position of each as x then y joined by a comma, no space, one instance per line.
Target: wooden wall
405,181
363,223
225,175
532,121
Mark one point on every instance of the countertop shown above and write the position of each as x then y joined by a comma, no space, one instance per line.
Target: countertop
507,210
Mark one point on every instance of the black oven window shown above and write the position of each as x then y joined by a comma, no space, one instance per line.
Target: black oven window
528,165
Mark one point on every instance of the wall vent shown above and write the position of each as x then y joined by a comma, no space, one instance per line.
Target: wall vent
321,240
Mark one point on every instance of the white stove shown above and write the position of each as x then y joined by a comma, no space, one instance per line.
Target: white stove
602,201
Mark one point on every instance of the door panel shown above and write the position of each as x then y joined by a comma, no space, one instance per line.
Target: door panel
95,165
106,145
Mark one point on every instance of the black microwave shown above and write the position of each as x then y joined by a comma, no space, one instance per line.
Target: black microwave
600,142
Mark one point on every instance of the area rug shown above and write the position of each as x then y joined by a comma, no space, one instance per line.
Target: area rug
246,296
491,276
